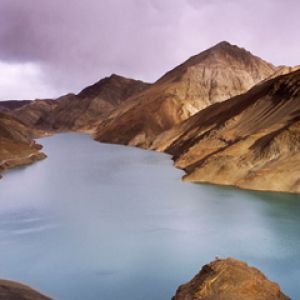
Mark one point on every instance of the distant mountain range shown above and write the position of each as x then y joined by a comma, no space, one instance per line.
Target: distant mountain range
76,112
226,115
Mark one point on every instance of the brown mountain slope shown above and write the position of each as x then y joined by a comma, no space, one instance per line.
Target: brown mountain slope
16,144
229,279
10,290
32,112
283,70
251,141
212,76
82,111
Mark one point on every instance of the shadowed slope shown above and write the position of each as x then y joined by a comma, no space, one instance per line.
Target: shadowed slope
251,141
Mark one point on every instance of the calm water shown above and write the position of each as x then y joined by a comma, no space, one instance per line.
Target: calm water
106,222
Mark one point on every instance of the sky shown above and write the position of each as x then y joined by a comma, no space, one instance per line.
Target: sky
52,47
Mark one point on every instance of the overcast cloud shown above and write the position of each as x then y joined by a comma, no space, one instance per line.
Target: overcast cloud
50,47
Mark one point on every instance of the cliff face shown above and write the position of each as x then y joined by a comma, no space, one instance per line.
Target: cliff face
229,279
77,112
10,290
16,144
212,76
251,141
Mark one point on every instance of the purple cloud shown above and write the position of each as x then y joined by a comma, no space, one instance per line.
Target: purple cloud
76,42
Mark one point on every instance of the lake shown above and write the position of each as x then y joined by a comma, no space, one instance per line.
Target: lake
97,221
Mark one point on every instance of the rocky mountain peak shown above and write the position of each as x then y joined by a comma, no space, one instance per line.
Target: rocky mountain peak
114,88
215,75
225,50
117,77
220,57
226,46
94,89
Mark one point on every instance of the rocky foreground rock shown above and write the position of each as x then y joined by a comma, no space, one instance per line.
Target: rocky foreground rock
229,279
10,290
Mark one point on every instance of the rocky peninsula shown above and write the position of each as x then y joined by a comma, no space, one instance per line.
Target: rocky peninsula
17,145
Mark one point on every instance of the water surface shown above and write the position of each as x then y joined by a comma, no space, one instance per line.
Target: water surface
96,221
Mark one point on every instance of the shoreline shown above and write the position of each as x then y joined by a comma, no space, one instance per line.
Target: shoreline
183,178
38,156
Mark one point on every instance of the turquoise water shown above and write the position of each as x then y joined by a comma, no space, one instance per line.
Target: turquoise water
96,221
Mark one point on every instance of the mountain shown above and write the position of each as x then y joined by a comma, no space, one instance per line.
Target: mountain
31,112
251,141
78,112
212,76
17,147
229,279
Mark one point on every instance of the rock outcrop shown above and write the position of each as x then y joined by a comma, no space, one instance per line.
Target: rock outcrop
17,147
229,279
251,141
10,290
81,112
212,76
